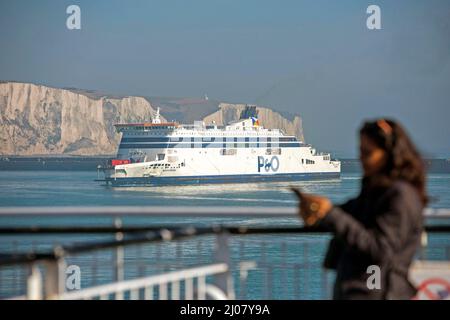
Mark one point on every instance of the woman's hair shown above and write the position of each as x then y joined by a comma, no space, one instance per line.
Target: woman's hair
404,161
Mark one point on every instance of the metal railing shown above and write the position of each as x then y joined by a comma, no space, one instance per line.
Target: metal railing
175,211
177,262
162,283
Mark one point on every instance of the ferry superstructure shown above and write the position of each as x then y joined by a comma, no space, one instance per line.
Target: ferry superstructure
158,153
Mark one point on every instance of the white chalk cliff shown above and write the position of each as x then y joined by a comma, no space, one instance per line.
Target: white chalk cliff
40,120
36,119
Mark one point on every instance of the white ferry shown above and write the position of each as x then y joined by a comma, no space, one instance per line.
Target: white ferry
160,153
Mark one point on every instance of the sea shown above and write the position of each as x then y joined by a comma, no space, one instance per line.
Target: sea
287,266
78,188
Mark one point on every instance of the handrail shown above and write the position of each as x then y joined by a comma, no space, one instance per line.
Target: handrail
37,230
163,234
128,285
174,211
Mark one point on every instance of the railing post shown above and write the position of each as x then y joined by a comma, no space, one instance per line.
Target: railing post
34,283
119,257
54,278
244,268
224,281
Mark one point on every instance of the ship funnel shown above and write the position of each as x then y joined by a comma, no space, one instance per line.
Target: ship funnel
249,112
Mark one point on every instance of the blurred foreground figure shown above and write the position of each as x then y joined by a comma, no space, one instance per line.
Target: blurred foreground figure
381,227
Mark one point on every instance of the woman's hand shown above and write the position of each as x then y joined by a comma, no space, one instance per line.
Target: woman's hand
313,208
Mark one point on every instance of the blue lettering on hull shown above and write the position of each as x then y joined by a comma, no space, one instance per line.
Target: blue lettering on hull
268,164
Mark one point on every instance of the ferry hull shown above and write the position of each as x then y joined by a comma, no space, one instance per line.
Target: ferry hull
216,179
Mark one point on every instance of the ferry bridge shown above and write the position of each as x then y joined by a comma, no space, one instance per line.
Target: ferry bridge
270,256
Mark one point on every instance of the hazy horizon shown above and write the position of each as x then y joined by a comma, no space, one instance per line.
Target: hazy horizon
316,59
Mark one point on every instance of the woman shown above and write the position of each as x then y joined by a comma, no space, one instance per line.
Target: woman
383,225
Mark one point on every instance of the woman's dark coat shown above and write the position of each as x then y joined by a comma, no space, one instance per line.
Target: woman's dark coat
382,227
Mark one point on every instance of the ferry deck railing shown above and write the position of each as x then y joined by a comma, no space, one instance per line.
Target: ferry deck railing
44,273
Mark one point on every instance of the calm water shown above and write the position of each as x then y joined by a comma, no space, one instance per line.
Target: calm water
280,258
50,188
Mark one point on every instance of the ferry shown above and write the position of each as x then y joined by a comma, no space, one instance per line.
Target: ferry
165,153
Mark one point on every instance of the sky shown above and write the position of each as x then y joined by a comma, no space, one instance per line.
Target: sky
315,58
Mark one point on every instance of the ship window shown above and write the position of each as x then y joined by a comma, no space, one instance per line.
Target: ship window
161,156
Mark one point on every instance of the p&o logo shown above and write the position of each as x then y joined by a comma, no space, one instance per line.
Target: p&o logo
271,164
